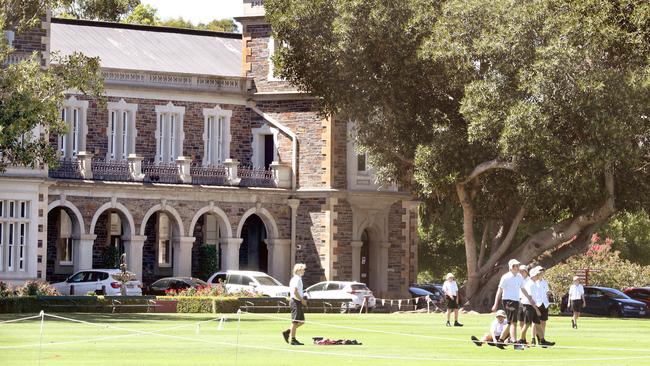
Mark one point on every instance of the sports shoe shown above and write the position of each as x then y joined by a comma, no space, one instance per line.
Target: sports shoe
573,324
500,346
285,335
448,324
294,342
457,324
476,341
546,343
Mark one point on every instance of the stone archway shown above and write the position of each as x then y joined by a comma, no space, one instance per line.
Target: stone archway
210,226
253,252
64,230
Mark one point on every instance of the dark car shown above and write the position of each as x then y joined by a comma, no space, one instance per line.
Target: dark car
610,302
160,287
639,294
433,289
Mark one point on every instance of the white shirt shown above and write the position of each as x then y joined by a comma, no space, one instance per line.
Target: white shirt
498,328
543,292
576,292
450,288
511,284
295,283
531,288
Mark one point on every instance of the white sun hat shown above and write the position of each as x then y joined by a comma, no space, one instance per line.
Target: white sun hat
513,262
449,275
501,313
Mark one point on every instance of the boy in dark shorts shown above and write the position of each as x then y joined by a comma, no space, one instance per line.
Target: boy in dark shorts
296,303
450,289
509,286
576,300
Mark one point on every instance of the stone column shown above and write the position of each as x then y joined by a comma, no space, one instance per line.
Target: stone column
183,256
230,253
293,203
86,160
279,253
231,171
356,260
83,252
133,248
135,167
281,175
183,165
383,268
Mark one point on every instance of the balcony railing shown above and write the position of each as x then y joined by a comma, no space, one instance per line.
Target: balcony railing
255,177
183,171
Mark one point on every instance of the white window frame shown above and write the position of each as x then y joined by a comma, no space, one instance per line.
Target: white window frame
216,148
121,132
272,46
169,133
258,144
74,113
164,241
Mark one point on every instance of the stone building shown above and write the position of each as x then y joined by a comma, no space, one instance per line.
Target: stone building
199,146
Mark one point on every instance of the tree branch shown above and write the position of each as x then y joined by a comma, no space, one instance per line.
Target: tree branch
577,246
468,228
486,167
505,245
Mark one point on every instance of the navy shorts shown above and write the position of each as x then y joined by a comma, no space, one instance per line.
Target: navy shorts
297,312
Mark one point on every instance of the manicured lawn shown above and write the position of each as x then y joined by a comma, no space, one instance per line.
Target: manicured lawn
395,339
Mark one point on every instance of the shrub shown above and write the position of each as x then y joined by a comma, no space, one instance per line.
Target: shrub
606,268
111,257
26,304
36,288
215,290
204,304
208,261
6,290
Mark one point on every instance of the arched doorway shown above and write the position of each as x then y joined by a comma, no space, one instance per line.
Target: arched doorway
161,230
206,251
365,259
63,228
253,252
373,267
111,230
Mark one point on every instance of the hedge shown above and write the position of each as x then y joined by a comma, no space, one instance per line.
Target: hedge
189,304
24,304
68,304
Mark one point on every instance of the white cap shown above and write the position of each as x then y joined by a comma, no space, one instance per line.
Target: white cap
501,313
523,267
575,278
535,271
449,275
513,262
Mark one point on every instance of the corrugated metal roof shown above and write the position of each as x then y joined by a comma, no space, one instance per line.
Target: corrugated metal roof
150,48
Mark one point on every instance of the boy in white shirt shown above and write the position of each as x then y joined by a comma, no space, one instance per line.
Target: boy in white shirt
509,286
543,305
296,303
533,287
523,271
576,300
450,289
498,331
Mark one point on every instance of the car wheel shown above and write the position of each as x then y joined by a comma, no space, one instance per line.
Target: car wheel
614,312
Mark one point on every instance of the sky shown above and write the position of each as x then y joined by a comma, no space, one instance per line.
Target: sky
197,10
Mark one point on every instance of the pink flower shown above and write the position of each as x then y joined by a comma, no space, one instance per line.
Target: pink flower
595,238
609,241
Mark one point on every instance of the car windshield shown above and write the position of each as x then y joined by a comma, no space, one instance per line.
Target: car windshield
267,281
616,294
359,287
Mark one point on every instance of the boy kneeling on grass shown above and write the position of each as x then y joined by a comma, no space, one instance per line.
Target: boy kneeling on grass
498,332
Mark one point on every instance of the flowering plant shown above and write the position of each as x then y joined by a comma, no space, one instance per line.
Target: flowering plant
213,290
36,288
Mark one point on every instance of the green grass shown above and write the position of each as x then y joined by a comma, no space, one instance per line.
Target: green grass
388,339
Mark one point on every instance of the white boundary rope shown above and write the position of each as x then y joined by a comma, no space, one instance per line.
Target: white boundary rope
357,355
20,319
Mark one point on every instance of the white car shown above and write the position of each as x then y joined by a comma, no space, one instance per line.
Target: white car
357,292
252,281
99,281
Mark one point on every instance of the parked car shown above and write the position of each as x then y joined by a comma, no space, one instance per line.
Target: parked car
639,294
258,282
610,302
435,290
99,281
161,286
355,291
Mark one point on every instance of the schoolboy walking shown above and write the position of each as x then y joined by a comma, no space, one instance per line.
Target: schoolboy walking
296,303
450,289
509,286
576,300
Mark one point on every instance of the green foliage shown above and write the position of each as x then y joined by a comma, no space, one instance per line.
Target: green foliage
147,15
555,92
36,288
606,268
632,233
208,261
107,10
31,95
205,304
17,305
6,290
441,248
111,257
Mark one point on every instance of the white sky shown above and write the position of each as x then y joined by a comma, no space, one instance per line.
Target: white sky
197,10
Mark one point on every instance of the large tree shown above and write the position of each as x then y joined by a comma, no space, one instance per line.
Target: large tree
107,10
530,116
31,95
